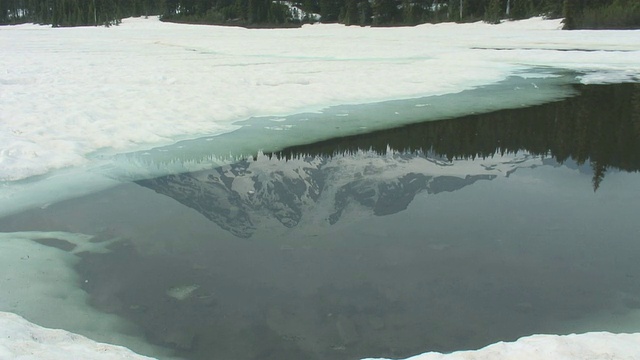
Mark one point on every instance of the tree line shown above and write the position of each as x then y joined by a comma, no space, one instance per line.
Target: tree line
601,14
578,14
60,13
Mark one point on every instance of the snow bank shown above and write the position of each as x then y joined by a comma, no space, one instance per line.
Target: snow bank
20,339
596,345
69,94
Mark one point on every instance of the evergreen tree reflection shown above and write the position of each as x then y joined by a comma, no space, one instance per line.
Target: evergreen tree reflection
600,126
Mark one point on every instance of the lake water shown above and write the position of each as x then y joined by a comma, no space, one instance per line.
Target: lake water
438,236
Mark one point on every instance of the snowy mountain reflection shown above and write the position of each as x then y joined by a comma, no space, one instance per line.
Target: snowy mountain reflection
385,170
236,196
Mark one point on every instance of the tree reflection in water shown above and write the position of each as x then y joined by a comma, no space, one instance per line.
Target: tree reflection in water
600,126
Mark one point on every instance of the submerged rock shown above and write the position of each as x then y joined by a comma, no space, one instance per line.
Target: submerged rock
182,292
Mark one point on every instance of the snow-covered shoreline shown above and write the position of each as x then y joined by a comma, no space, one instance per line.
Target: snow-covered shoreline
20,339
596,345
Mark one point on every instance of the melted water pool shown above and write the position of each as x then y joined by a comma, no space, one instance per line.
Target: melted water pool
439,236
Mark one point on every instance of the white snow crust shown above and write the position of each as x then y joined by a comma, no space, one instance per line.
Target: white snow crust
22,340
596,345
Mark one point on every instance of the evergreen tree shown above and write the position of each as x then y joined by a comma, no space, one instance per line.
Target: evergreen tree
408,13
308,10
493,12
635,113
365,13
569,12
329,10
384,12
350,13
577,13
521,9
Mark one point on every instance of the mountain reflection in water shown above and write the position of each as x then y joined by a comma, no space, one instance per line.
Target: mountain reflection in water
235,196
385,170
439,236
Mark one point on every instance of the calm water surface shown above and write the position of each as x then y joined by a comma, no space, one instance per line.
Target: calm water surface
439,236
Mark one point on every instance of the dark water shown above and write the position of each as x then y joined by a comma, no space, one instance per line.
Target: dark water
439,236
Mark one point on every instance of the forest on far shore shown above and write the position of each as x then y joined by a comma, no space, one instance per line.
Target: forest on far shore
577,14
